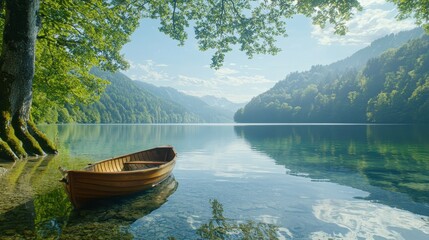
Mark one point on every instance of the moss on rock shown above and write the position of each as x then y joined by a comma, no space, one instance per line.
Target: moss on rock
44,141
7,134
20,138
6,152
29,142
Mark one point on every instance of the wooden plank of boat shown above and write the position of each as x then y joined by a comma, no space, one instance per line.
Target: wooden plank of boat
118,176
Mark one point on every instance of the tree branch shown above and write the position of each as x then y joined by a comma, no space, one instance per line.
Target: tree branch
237,13
220,22
174,15
59,41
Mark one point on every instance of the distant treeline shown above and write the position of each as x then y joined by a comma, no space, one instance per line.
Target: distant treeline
392,88
122,102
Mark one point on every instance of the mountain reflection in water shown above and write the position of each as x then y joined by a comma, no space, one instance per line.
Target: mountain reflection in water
343,182
388,161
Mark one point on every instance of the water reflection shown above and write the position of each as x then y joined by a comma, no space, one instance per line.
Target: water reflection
364,220
99,141
35,206
388,161
111,218
24,179
216,163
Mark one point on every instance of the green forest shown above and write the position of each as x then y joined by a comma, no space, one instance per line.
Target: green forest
391,88
386,82
128,101
122,102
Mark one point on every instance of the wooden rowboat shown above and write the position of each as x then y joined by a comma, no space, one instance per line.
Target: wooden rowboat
119,176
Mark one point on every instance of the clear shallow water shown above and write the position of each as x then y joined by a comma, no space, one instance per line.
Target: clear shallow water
310,181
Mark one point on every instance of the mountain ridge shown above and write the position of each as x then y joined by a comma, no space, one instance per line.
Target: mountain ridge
192,103
128,101
337,93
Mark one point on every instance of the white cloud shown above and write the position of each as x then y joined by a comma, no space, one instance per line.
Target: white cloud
246,80
235,82
224,71
367,220
195,82
148,71
366,3
376,20
226,82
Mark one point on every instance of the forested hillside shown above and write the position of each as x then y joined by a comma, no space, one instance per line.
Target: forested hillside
122,102
192,104
392,88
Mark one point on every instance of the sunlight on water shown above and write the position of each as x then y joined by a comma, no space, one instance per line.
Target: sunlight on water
295,181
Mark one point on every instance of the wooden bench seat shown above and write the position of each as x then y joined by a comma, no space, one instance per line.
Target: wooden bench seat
145,162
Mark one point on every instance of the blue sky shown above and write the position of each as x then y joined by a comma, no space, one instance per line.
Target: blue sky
157,59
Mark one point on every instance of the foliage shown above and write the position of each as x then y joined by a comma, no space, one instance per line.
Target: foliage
390,88
206,112
220,227
122,102
251,25
74,37
404,94
77,35
127,101
417,10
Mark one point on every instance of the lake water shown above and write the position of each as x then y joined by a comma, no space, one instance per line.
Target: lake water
290,181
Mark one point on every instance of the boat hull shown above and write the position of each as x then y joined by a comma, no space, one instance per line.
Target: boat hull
111,177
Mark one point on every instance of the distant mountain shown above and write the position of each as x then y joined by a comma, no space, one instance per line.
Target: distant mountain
192,104
128,101
222,103
123,101
375,49
391,87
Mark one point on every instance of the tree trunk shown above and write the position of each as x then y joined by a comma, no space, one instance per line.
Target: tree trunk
19,137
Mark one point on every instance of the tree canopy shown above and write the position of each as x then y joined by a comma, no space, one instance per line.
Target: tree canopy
417,9
56,43
128,101
77,35
74,37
